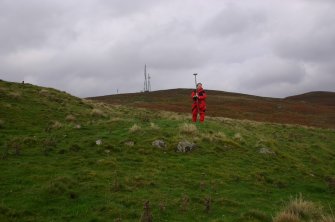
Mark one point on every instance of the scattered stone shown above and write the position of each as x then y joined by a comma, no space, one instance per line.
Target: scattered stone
265,150
159,144
77,126
129,143
185,146
98,142
107,151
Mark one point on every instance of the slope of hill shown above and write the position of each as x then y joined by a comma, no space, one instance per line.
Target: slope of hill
322,98
317,111
67,159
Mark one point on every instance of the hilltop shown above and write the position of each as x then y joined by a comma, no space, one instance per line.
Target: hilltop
311,109
64,158
319,97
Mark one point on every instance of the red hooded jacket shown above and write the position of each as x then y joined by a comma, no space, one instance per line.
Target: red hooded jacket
201,99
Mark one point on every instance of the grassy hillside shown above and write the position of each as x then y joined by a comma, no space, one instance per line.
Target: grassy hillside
67,159
313,109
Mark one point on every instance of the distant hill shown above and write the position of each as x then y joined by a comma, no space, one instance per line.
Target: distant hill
316,110
322,98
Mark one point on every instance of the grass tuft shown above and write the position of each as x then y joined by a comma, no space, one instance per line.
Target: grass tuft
56,125
97,113
172,116
135,128
237,137
214,137
152,126
70,118
44,92
188,128
286,217
304,209
15,95
299,209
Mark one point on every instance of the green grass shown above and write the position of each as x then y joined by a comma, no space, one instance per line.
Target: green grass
61,174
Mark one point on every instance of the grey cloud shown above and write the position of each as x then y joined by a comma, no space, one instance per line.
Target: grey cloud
308,49
270,71
95,47
122,8
234,21
27,24
314,41
174,52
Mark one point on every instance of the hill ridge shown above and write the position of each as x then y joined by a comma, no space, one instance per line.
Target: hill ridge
309,93
298,109
317,97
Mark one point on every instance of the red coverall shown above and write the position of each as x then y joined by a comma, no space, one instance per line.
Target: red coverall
199,101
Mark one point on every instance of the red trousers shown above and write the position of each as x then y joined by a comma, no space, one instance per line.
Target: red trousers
195,114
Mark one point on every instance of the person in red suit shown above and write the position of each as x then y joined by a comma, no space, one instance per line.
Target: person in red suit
199,103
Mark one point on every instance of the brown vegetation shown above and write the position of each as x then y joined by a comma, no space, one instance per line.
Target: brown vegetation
299,209
312,109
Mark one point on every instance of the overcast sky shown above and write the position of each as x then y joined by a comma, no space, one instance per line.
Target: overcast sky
270,48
